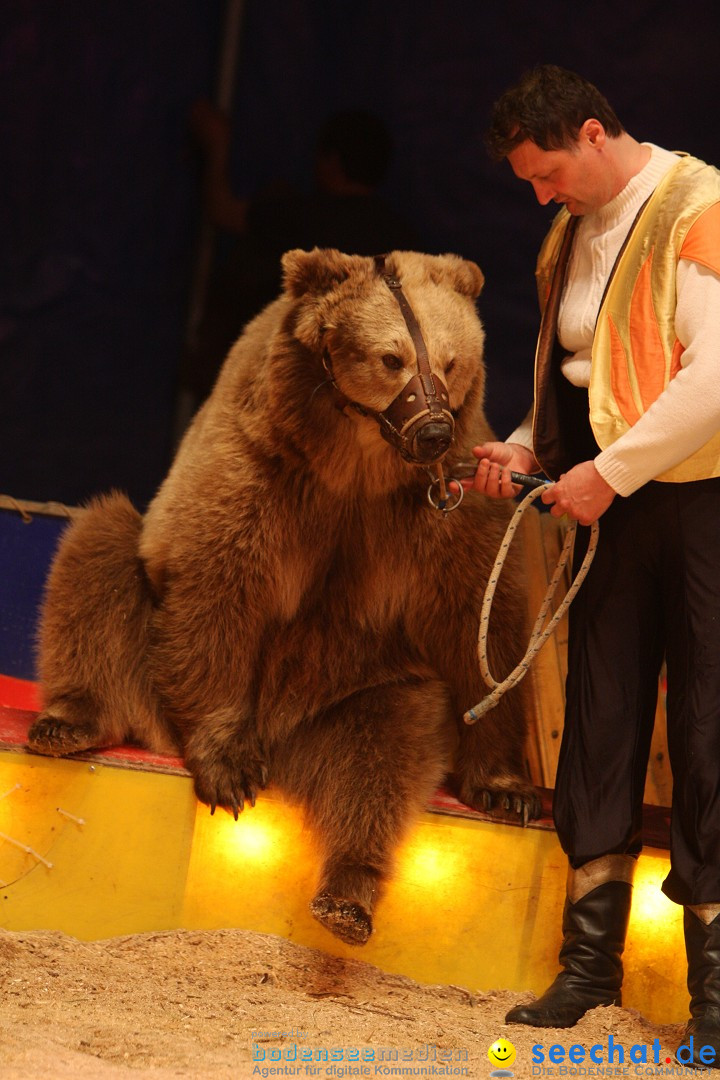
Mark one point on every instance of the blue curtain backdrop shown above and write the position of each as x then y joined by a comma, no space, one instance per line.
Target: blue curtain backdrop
100,207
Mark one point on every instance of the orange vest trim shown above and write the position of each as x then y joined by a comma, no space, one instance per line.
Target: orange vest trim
646,345
646,348
619,377
702,242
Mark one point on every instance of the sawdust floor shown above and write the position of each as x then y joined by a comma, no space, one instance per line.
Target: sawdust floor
185,1004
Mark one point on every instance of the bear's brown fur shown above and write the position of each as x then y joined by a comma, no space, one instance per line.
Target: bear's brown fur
291,609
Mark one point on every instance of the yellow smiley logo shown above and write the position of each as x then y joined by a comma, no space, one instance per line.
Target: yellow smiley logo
501,1053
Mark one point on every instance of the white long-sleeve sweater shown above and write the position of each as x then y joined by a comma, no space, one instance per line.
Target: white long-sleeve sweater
687,413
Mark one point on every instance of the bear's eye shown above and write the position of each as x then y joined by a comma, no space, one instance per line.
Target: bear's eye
393,362
450,366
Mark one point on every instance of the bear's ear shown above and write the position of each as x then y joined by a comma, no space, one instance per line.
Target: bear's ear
467,277
315,271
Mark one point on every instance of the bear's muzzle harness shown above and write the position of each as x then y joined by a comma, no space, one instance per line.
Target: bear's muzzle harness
418,422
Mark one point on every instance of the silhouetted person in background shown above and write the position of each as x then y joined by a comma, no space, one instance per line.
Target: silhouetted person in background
353,153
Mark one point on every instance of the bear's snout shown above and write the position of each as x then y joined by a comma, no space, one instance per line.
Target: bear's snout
432,441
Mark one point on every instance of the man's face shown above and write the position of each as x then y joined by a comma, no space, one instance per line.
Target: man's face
580,177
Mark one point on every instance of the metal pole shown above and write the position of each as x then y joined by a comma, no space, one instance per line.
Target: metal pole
223,99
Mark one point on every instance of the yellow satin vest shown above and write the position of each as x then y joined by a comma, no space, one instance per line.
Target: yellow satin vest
635,350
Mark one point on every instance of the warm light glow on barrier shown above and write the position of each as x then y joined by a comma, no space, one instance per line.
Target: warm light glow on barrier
426,861
256,872
650,905
655,952
255,836
268,833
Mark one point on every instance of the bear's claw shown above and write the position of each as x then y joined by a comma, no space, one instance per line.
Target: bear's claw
228,781
524,805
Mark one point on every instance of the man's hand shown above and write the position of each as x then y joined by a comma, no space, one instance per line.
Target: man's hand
582,494
496,460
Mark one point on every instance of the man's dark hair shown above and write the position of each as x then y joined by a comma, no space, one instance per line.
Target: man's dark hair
362,143
548,106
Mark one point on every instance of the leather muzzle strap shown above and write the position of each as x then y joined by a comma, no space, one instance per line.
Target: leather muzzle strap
411,322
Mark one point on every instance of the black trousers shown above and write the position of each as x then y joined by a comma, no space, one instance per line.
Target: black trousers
653,591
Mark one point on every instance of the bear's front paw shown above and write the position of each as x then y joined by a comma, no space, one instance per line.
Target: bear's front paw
53,735
230,779
517,803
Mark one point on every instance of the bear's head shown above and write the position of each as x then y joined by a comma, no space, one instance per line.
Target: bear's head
407,359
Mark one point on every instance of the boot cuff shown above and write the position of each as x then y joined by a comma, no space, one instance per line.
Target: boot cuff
706,913
598,872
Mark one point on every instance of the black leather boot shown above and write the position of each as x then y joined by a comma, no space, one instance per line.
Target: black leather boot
702,944
595,923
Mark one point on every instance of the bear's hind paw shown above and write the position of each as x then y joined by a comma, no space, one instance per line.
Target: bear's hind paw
52,735
346,919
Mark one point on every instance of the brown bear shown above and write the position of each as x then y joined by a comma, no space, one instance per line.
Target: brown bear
292,609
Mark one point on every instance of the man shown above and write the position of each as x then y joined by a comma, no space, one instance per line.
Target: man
626,421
